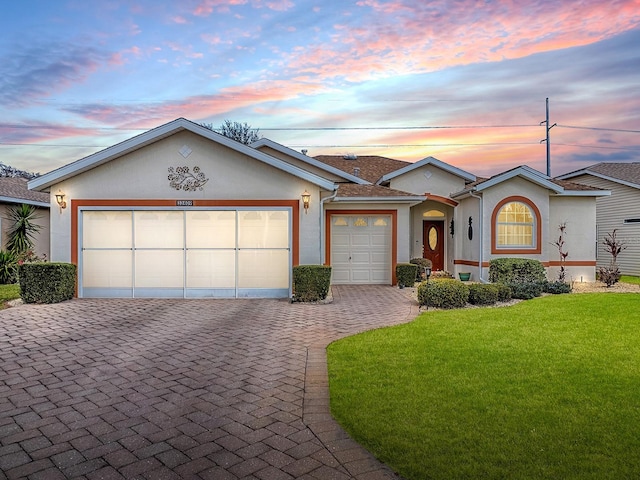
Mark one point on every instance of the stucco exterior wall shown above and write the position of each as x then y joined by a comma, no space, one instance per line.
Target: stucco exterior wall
428,179
467,256
142,174
580,241
516,187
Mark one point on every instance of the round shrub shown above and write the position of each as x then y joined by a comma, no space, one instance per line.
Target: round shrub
483,294
443,293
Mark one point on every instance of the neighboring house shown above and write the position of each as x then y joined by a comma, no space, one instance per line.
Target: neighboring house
181,211
620,211
13,193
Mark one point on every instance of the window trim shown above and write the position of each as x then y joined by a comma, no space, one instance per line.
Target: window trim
537,248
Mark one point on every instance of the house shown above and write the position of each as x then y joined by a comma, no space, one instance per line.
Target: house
14,192
620,211
181,211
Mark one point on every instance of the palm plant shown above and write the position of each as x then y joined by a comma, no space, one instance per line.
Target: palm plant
23,230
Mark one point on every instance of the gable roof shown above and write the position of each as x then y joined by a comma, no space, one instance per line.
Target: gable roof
428,161
87,163
559,187
14,190
624,173
371,167
265,142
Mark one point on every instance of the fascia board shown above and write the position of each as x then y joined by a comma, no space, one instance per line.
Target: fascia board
380,199
265,142
44,181
584,193
25,201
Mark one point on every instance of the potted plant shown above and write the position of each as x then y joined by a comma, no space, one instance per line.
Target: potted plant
464,276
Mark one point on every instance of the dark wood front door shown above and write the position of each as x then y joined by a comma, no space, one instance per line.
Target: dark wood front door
433,241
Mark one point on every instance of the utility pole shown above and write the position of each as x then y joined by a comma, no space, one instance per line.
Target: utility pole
546,122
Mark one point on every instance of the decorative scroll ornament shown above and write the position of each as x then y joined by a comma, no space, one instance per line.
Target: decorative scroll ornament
181,178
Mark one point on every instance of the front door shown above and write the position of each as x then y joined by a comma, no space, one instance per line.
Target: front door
433,241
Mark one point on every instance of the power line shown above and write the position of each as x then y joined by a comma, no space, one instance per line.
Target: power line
600,129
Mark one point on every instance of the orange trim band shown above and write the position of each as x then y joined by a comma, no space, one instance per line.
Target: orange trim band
394,233
441,199
517,251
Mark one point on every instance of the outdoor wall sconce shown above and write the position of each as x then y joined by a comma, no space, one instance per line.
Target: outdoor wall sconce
306,198
60,200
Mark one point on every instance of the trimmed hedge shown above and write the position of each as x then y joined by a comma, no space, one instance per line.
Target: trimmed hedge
406,274
311,282
516,270
443,293
483,293
47,282
422,263
504,292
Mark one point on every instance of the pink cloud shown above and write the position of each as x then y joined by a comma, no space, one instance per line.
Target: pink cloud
179,19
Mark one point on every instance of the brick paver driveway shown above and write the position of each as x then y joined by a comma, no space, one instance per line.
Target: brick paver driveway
162,389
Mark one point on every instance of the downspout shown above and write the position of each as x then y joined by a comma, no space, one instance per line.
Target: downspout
322,224
480,234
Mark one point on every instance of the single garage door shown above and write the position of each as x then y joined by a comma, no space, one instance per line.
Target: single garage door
185,253
361,249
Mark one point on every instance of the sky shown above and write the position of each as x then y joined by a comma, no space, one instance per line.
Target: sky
463,81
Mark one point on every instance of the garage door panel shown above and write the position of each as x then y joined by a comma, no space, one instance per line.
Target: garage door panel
211,269
361,249
108,269
185,253
159,269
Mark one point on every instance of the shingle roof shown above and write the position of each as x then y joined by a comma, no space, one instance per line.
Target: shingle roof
628,172
372,167
350,190
16,188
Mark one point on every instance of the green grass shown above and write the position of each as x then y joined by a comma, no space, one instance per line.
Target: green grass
9,292
546,389
630,279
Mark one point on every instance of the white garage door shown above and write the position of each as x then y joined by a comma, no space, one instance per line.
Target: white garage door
178,253
361,249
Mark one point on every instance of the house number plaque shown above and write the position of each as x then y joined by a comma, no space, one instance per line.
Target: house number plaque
184,203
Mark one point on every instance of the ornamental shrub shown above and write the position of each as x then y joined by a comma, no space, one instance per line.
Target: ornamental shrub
526,290
406,274
47,282
556,288
8,267
516,270
311,282
483,293
443,293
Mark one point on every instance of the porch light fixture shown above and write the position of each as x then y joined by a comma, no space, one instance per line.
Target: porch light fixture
306,198
60,200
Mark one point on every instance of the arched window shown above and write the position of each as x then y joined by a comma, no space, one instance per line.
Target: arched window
516,227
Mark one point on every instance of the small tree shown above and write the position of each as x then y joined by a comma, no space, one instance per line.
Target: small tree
23,229
611,274
240,132
559,243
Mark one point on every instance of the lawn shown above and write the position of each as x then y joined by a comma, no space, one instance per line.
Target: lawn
9,292
630,279
545,389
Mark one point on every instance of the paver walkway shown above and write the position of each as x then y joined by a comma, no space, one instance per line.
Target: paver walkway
164,389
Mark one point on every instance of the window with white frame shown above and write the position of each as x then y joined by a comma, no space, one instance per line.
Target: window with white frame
515,226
